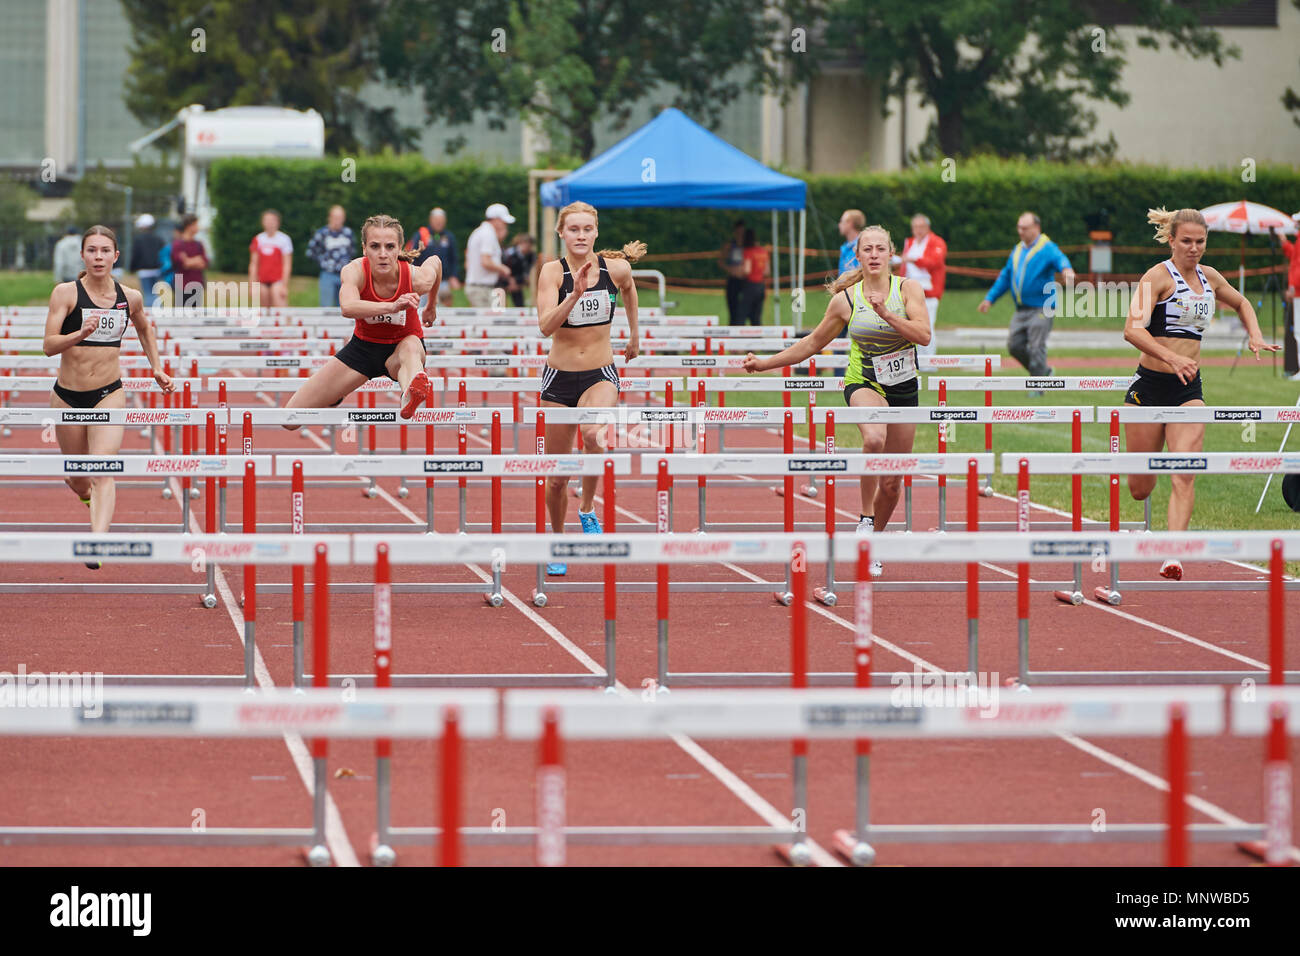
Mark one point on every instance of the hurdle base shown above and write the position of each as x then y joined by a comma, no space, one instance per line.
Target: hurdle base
1154,677
1106,596
381,854
318,855
1074,598
1258,850
826,596
794,854
854,851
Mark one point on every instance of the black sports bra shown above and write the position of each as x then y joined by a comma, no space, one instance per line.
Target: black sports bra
596,307
112,322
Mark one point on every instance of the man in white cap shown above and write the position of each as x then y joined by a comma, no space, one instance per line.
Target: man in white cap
146,249
483,256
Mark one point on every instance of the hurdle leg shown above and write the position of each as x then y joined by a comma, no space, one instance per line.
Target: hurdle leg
319,854
907,502
856,847
382,853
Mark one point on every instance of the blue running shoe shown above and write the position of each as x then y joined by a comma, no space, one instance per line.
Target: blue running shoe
590,523
557,569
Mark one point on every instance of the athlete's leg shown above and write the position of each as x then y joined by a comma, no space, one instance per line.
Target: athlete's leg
105,440
1144,437
600,395
72,440
873,443
328,386
1183,437
898,440
1018,337
407,361
559,440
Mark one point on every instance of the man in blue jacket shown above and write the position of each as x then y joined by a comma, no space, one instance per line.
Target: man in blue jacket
1030,276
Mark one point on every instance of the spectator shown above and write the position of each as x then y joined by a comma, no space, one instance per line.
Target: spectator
852,222
483,256
1292,251
146,253
67,255
436,239
924,255
1030,276
270,261
731,260
519,259
332,246
754,288
189,256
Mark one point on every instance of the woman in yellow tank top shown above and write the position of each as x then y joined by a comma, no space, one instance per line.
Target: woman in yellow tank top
886,319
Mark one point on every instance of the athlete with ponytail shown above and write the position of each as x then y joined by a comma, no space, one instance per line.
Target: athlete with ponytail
887,319
576,298
84,327
1174,302
381,291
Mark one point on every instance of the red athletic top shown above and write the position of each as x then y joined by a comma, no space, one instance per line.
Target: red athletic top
391,327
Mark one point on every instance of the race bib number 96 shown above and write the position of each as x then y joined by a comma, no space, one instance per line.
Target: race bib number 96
895,367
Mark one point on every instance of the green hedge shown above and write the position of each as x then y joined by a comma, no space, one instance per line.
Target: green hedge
975,211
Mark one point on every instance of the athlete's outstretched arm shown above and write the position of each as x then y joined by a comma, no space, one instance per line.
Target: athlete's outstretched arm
144,331
425,280
1226,295
837,316
620,271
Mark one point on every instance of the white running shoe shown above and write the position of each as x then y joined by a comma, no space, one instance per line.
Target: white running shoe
866,526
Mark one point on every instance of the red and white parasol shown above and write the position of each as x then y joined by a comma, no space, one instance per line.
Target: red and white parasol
1247,217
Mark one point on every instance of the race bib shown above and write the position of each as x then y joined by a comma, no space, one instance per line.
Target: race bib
388,318
112,325
593,308
895,367
1198,311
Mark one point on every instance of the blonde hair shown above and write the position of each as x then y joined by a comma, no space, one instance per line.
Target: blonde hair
96,231
1167,222
388,222
631,251
856,274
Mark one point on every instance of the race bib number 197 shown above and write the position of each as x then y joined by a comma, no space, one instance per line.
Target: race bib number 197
895,367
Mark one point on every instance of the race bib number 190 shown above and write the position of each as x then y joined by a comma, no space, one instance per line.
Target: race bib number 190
895,367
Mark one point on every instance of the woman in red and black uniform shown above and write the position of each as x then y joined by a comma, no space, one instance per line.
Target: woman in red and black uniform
84,327
382,292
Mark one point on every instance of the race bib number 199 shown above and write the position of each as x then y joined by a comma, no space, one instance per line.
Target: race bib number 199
895,367
592,308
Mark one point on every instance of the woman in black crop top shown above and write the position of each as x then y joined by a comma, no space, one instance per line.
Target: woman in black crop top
1174,302
576,299
84,327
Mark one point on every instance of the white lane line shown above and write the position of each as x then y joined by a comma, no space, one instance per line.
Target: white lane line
1171,632
720,772
336,835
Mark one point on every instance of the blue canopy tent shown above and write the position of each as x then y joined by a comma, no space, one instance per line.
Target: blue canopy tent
674,163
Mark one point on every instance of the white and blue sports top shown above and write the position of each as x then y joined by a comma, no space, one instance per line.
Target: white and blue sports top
1184,314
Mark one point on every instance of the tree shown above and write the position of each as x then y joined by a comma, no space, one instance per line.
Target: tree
1013,77
566,64
302,54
